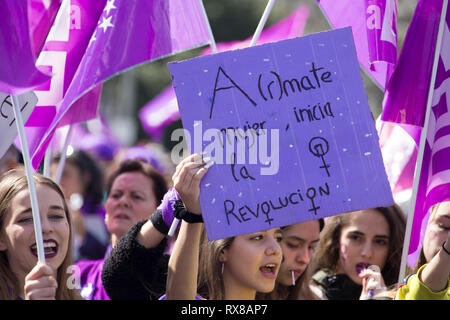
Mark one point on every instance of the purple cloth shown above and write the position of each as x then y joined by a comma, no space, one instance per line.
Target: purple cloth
167,206
18,73
91,278
406,93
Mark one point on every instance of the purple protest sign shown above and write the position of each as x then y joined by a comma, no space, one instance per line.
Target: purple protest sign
289,128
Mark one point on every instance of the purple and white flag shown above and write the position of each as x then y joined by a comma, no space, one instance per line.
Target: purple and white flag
163,109
130,33
61,55
434,183
374,29
18,73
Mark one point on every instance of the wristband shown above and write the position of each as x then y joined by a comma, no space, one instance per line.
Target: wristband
443,248
158,222
181,213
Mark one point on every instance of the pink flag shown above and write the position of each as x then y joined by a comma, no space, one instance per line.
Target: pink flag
18,73
407,90
163,109
374,30
130,33
434,183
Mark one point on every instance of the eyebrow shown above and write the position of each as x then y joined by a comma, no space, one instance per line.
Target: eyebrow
53,207
300,239
376,236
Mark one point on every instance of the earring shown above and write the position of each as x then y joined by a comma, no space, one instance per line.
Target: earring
223,266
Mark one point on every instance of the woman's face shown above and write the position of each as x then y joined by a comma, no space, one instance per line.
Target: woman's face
130,200
299,242
437,230
252,261
17,236
363,242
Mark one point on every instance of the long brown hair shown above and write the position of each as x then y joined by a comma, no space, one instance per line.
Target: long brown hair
210,280
11,183
327,252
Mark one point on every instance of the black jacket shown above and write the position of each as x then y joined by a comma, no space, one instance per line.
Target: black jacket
133,272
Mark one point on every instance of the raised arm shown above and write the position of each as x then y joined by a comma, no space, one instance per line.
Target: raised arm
183,263
436,274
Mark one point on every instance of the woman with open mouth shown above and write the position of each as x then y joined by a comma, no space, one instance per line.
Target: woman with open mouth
21,276
234,268
359,254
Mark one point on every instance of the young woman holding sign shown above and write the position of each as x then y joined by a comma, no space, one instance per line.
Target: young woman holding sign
359,253
232,268
432,277
21,277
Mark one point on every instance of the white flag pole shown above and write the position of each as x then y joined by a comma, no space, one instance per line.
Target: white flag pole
62,160
423,138
31,184
262,22
47,161
256,35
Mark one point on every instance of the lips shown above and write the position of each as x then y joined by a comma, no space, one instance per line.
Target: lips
50,249
269,270
360,267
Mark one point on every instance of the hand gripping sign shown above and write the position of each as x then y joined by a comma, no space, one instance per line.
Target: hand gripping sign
289,128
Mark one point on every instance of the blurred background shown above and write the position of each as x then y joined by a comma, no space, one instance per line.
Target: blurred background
124,95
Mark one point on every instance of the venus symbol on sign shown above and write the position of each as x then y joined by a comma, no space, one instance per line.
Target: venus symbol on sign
319,147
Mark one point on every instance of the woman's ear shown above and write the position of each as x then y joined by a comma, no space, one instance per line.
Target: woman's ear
223,255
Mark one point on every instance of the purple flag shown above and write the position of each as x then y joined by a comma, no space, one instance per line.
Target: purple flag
18,73
163,109
434,183
130,33
41,14
373,25
407,90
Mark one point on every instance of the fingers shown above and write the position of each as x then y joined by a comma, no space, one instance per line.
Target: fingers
186,180
40,283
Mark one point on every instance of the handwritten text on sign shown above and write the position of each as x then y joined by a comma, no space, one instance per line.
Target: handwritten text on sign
290,130
8,127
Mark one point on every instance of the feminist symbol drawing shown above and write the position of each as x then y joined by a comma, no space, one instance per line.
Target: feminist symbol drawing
319,147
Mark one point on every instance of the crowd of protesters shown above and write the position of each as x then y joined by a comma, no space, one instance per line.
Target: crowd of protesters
109,234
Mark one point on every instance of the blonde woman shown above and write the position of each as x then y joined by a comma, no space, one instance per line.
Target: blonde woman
21,276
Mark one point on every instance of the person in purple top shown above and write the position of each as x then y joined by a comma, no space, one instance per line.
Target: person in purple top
133,193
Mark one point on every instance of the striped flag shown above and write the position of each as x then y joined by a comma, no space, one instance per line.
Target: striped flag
434,183
374,27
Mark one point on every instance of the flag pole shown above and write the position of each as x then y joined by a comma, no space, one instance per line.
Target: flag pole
423,138
262,22
256,35
31,184
62,160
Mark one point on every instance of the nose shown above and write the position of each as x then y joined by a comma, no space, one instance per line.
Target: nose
273,248
367,249
304,255
46,225
124,201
